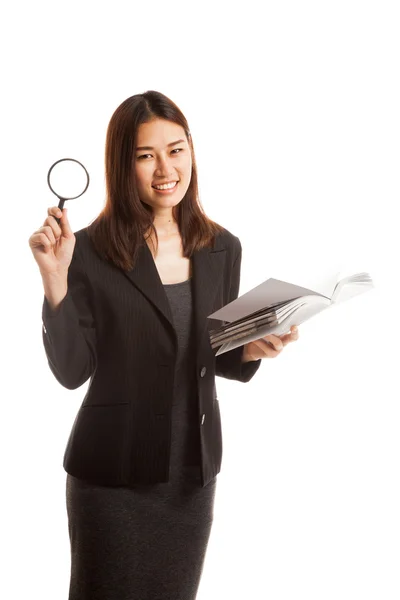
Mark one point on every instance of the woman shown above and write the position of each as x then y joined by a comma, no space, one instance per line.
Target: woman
126,301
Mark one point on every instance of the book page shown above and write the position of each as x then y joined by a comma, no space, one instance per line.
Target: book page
347,289
302,314
263,295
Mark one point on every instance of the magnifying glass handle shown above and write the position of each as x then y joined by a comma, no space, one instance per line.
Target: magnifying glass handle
60,206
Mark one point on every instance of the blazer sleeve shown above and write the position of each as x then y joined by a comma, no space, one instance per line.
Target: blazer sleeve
68,333
228,364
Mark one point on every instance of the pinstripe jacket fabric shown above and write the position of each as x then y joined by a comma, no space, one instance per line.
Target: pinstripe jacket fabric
116,328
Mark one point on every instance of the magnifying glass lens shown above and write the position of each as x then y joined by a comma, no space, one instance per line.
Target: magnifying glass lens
68,178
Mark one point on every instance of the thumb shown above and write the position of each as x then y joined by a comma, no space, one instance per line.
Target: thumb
64,223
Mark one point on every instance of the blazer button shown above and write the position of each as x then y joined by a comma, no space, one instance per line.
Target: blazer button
202,419
203,372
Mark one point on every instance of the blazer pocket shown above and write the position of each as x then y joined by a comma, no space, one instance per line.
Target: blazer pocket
96,442
95,403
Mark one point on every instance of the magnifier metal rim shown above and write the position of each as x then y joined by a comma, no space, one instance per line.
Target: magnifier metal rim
70,197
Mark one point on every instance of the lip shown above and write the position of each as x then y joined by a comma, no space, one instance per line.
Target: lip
165,182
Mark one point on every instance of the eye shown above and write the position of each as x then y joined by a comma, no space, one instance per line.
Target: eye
143,155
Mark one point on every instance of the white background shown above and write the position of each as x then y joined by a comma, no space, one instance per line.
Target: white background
294,112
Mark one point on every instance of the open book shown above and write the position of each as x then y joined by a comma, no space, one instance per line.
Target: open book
274,306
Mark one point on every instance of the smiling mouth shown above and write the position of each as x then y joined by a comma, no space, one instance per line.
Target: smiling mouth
167,188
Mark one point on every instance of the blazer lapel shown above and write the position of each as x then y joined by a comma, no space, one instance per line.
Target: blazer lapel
207,274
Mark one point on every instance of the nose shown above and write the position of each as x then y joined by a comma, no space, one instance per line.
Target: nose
164,168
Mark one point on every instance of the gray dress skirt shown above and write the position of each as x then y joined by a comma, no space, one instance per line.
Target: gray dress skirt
148,542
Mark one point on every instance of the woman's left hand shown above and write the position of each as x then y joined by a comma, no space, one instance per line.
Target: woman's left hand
269,346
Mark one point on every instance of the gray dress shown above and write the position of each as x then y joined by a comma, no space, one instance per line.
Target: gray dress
148,542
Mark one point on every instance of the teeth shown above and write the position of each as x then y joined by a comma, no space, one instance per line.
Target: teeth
167,186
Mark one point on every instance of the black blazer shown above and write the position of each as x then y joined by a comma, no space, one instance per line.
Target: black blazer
116,328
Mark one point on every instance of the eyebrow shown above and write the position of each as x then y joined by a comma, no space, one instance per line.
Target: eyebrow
151,148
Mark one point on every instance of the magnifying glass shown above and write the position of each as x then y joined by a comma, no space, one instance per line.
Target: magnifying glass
70,178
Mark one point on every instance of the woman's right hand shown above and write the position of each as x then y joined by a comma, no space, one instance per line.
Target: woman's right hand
53,244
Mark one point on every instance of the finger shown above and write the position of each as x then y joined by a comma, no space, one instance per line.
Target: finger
39,238
268,347
51,220
289,337
53,212
48,232
64,223
273,340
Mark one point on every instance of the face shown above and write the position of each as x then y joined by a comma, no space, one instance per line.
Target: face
165,159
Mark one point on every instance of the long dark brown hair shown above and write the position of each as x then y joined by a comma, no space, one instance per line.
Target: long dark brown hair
120,228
